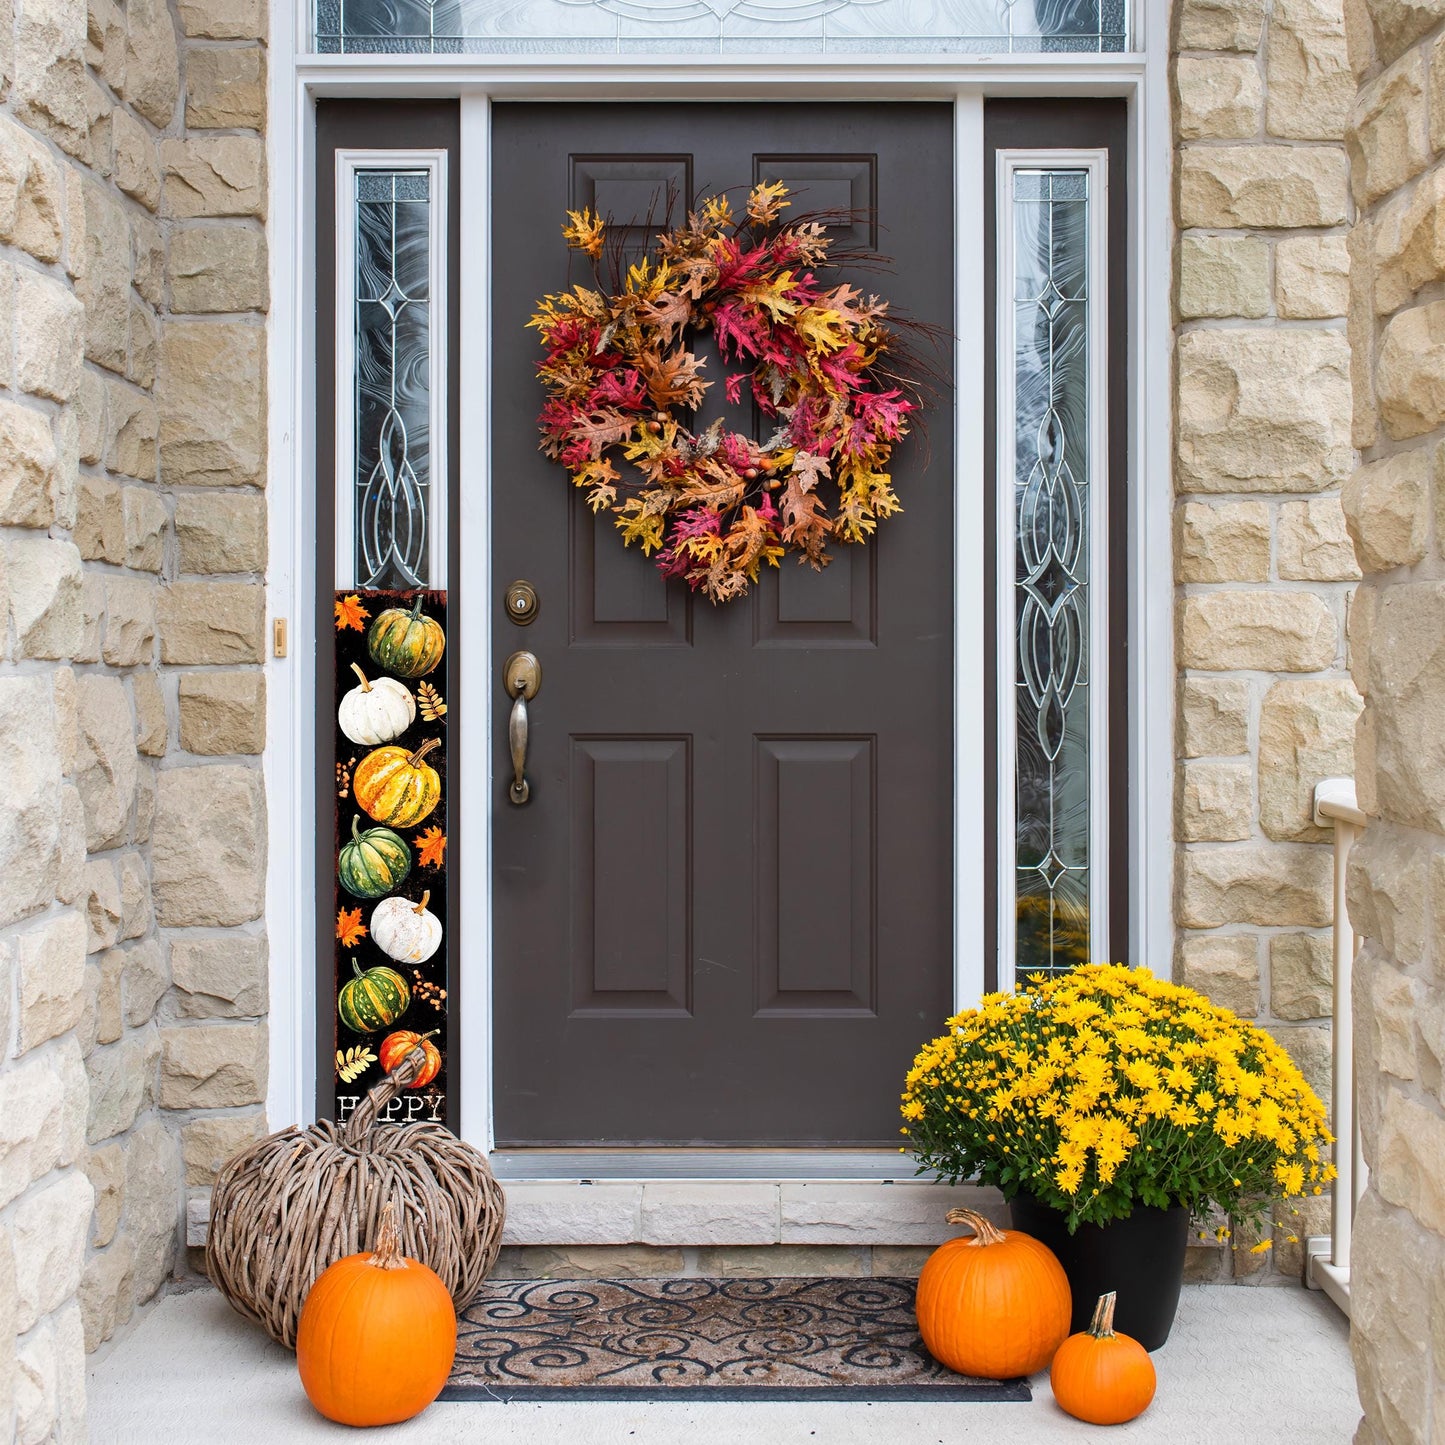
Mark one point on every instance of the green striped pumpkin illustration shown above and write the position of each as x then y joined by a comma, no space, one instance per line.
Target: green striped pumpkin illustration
406,643
373,862
372,1000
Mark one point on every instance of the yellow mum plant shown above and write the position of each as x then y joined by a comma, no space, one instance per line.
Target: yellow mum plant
1104,1088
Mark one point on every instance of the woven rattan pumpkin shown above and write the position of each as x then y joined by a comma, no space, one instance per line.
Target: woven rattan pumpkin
295,1202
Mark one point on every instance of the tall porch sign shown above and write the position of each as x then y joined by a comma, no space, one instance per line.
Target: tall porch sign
391,984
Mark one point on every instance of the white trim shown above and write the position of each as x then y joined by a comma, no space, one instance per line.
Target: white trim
298,80
1095,163
348,162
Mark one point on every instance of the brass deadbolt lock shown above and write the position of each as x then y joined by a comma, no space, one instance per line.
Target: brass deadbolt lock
521,602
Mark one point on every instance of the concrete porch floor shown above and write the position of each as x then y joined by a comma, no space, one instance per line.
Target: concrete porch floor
1265,1365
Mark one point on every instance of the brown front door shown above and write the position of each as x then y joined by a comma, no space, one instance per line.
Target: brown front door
725,914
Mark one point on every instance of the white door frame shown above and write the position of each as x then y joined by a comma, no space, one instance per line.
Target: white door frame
299,79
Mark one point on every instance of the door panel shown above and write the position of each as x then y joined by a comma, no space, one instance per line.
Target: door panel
725,915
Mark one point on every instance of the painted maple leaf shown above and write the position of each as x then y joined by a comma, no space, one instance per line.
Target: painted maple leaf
350,613
349,927
431,846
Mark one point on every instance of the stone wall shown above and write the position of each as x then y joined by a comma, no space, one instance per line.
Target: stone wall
1396,508
132,546
1263,561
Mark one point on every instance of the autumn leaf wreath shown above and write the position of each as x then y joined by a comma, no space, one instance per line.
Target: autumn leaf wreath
715,504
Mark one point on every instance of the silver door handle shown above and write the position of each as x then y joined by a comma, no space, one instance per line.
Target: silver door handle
522,677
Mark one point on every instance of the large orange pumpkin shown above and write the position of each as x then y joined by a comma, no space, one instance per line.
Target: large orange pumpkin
398,787
377,1336
994,1304
1102,1377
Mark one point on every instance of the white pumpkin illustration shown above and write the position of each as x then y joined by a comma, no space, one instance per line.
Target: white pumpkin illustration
406,931
376,712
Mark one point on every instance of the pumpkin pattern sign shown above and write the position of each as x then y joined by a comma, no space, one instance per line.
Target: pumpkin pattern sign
390,886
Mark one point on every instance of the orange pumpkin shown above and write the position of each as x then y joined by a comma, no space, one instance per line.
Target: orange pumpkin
994,1304
1102,1377
395,1047
377,1335
397,787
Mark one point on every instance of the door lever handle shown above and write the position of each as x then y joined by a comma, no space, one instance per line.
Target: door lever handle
522,677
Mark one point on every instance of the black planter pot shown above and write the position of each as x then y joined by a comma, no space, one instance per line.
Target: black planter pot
1141,1258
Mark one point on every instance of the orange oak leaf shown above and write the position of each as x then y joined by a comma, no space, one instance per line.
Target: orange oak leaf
430,846
350,613
349,927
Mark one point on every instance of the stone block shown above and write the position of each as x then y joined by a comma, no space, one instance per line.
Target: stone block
1312,543
49,342
70,873
145,343
1213,717
106,775
135,900
1389,893
107,1292
217,268
103,275
122,1083
594,1261
1388,138
226,89
1410,371
903,1212
101,890
209,851
130,625
783,1261
145,529
1387,509
213,1066
105,1168
1272,885
1310,85
223,19
1223,275
42,1116
554,1214
1406,1168
153,1194
1398,24
27,467
144,981
220,977
209,1140
48,1231
1244,187
1437,88
1218,24
221,532
1360,621
45,598
1216,801
1223,967
1408,250
1263,410
88,404
216,175
683,1214
1218,97
1301,975
150,259
31,191
50,1381
133,429
1221,542
1306,733
1265,631
51,967
1360,332
151,728
29,825
152,61
212,622
223,712
213,404
1312,277
99,530
137,166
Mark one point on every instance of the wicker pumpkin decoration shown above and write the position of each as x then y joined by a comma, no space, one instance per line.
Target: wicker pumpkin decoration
291,1204
373,862
406,643
372,999
994,1304
375,712
1102,1377
396,786
377,1337
395,1047
406,931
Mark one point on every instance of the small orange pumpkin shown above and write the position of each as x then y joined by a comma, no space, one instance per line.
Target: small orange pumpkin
994,1304
395,1047
377,1335
397,787
1102,1377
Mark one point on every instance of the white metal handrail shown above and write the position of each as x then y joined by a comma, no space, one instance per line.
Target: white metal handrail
1329,1259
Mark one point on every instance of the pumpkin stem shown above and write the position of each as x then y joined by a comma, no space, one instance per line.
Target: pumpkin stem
356,828
416,611
386,1252
356,668
356,967
425,899
1102,1325
414,758
984,1230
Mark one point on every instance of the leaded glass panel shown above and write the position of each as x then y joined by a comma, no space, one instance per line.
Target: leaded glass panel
1052,585
394,505
989,27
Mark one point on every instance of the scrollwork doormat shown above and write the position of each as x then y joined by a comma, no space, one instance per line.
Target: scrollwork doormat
719,1339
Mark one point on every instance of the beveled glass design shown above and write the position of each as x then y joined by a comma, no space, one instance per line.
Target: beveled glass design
1052,521
393,480
987,27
